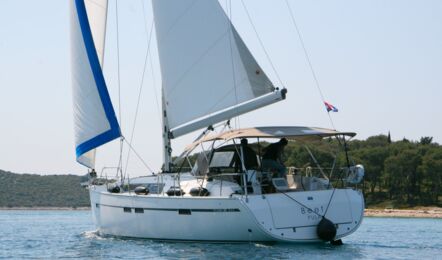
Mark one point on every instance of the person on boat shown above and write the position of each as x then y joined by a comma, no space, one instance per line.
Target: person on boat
249,157
93,174
272,158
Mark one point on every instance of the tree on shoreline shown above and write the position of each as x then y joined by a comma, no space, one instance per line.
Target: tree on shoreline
403,173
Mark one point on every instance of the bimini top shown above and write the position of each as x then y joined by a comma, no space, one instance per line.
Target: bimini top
289,132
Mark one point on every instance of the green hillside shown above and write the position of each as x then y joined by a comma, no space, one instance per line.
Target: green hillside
397,174
31,190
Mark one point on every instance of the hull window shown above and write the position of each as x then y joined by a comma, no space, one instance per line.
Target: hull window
184,212
139,210
127,210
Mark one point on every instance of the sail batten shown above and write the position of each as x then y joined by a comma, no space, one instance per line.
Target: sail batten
206,67
95,122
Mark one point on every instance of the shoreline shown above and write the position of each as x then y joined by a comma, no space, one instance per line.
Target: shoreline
430,212
424,212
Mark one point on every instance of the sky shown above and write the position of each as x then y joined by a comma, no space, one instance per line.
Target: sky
378,61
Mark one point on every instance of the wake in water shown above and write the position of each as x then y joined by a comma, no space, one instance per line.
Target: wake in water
93,234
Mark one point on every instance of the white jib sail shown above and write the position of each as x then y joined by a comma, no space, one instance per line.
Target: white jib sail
206,67
95,122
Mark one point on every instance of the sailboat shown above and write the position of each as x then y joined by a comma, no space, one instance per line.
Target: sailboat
209,76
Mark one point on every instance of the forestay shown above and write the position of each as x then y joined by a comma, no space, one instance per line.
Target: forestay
95,122
206,67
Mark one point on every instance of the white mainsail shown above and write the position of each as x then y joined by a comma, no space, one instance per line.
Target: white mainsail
208,73
95,122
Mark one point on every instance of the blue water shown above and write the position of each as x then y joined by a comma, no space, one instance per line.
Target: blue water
70,234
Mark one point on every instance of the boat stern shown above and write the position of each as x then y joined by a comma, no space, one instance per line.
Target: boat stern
295,216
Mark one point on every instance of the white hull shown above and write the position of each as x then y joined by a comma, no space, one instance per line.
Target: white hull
228,195
268,217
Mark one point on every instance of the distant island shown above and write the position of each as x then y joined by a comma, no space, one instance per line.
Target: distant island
398,175
42,191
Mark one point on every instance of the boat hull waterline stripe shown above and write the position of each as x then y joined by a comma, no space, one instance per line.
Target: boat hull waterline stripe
114,131
183,211
175,209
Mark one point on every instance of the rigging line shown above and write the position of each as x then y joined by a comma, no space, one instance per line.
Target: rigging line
307,57
139,157
179,17
334,152
229,24
139,95
316,161
326,209
328,205
119,89
290,197
154,84
262,44
118,62
150,59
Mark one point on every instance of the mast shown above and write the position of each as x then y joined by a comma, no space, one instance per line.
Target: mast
167,148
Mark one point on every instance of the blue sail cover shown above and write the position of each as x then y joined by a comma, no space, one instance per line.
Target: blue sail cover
95,122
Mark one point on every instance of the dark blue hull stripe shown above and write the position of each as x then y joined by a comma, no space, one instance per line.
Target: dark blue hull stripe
174,209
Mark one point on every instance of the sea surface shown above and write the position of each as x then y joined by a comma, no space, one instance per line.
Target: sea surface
71,235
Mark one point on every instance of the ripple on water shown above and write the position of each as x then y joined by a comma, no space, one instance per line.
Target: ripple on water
71,234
